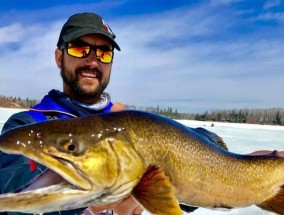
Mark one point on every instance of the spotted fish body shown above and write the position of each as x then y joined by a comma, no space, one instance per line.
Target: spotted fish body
107,156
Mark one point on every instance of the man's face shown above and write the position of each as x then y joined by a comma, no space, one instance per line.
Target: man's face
84,79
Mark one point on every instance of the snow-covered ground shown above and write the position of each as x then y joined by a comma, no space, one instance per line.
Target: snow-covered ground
5,113
240,138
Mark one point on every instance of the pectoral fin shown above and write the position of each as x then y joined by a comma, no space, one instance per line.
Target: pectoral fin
276,203
156,194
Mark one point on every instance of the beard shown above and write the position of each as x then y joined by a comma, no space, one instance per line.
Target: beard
71,79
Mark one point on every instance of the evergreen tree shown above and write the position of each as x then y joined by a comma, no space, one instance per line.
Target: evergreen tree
278,119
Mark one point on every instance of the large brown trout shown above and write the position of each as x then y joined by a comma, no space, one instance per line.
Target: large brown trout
105,158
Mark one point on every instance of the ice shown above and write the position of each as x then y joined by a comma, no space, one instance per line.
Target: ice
5,113
244,138
240,138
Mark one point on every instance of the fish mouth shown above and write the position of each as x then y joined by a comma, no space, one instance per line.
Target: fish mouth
46,193
48,178
72,169
50,192
54,180
45,179
66,169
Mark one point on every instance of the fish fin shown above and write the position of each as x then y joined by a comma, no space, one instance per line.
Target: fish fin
155,193
221,143
276,203
213,137
187,208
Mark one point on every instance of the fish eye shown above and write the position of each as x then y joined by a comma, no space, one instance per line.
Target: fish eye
71,147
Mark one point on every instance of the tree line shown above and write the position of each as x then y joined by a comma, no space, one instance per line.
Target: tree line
270,116
24,103
168,112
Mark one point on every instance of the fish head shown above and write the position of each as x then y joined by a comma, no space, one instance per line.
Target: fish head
91,156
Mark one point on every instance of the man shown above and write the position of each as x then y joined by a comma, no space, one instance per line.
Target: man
84,55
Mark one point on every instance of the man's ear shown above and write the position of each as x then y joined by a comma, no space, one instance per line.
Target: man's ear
58,58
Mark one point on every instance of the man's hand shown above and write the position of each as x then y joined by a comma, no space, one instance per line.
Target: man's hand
125,207
264,152
117,107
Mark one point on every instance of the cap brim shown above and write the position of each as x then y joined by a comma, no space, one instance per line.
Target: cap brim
81,32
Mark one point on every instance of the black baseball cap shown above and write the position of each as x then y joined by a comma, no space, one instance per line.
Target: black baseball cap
81,24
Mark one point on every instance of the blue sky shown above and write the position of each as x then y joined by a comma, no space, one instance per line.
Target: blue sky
192,56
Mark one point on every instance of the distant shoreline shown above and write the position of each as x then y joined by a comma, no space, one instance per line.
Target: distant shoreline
208,125
187,122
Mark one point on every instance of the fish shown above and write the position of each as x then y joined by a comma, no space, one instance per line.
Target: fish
160,162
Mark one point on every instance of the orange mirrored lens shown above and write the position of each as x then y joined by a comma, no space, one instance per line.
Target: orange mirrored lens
104,56
78,51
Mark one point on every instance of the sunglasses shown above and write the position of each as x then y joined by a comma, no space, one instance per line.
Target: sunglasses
82,49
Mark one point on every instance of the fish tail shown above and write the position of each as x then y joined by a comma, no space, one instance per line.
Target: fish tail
276,203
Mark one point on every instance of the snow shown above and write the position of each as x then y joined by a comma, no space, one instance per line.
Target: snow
5,113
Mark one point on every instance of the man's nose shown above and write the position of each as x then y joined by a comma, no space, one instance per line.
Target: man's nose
92,58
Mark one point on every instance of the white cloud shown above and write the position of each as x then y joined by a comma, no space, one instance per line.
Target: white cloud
29,65
271,3
269,16
224,2
163,66
186,58
10,34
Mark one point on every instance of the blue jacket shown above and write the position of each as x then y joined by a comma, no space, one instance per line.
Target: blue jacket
15,169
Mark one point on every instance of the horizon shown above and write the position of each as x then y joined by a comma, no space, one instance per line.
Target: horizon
191,56
149,108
